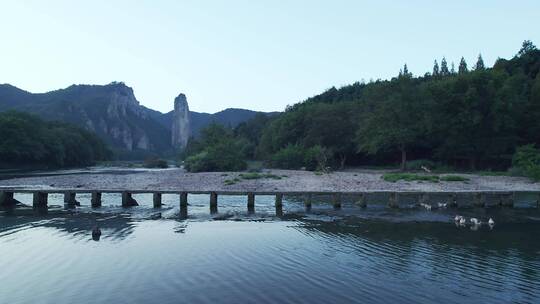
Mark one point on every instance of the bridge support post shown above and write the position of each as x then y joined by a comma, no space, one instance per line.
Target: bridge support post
479,200
452,200
95,201
213,202
362,201
156,198
128,200
6,199
39,199
507,200
183,199
251,202
70,199
336,200
308,198
393,200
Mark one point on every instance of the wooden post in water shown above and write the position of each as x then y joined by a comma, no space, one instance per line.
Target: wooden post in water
393,200
39,199
95,201
362,200
307,201
336,200
479,200
156,198
251,202
128,200
70,199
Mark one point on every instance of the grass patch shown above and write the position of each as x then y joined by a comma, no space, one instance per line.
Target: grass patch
493,173
255,175
318,173
409,177
454,178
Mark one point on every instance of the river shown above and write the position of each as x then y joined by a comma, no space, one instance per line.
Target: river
322,255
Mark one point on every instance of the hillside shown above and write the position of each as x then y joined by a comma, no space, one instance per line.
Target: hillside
114,114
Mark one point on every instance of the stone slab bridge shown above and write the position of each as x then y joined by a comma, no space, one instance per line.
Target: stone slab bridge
393,199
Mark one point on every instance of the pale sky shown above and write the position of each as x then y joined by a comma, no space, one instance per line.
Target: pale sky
259,55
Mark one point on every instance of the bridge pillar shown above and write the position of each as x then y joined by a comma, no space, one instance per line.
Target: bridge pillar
507,200
393,200
156,198
279,199
336,200
6,199
39,199
70,199
307,201
251,202
479,200
362,200
95,201
183,199
128,200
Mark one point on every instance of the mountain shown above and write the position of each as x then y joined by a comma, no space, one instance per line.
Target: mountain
115,115
230,117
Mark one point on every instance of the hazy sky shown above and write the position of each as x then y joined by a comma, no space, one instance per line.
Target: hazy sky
260,55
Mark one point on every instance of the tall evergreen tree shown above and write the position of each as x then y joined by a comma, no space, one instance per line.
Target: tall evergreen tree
444,68
452,68
462,66
436,69
480,63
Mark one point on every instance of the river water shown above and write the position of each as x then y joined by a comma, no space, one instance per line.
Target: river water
322,255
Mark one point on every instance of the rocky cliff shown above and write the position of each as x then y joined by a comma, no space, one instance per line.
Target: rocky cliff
180,123
115,115
111,111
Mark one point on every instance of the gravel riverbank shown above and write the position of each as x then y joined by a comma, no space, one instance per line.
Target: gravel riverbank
290,181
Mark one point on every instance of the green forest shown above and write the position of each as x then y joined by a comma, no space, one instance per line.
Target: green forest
28,141
471,118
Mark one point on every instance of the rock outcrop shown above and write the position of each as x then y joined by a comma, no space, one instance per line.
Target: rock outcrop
180,123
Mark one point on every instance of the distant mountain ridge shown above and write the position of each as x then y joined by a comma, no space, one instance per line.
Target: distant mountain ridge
114,114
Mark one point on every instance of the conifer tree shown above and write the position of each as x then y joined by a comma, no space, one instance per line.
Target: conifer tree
436,72
480,63
462,66
444,68
452,68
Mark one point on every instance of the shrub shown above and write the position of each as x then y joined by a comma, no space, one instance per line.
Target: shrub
394,177
527,159
223,157
316,158
416,165
290,157
454,178
155,163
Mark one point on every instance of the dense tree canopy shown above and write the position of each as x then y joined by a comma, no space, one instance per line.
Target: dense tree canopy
466,119
27,140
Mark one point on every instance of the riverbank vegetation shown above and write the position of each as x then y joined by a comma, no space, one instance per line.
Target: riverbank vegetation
28,141
464,118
